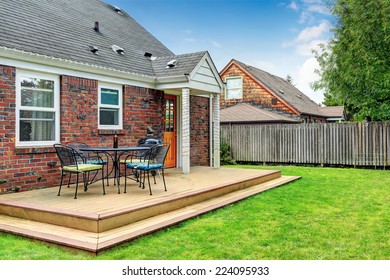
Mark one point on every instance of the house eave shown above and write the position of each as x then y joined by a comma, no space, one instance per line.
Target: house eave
29,57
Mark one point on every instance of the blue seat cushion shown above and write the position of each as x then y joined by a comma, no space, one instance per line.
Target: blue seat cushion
144,166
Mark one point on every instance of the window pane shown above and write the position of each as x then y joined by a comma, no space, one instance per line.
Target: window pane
37,126
109,96
37,92
233,83
234,93
109,116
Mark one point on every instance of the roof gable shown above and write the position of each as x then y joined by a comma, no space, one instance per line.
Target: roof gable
195,69
282,89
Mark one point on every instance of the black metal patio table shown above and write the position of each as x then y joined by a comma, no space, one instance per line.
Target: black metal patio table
115,154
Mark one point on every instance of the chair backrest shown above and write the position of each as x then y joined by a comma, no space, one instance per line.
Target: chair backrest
159,153
66,154
77,146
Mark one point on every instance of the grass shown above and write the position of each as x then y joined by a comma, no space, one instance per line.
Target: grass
329,214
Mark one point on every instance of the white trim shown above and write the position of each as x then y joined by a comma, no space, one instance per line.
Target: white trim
87,73
211,126
56,108
185,124
119,88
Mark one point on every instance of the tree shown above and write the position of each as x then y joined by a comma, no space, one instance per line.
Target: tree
290,80
355,64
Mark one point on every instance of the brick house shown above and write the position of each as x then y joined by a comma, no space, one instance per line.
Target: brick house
248,84
85,70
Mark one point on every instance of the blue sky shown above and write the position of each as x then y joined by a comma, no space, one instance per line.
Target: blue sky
275,35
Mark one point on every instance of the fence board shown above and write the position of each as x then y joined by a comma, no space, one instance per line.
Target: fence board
355,144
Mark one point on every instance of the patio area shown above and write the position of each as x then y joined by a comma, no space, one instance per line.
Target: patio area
95,222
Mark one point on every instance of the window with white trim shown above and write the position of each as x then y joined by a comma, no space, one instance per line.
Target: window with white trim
110,106
233,88
37,109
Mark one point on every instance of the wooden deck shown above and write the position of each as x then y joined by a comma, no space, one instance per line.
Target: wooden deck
95,222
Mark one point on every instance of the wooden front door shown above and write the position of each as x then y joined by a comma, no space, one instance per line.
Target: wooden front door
170,129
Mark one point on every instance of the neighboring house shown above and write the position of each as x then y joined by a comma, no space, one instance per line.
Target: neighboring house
75,70
247,84
243,113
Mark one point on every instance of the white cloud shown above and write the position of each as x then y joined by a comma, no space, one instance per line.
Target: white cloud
293,6
190,40
313,32
309,38
320,9
215,44
306,49
306,76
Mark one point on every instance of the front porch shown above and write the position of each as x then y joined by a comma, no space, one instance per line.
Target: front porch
94,222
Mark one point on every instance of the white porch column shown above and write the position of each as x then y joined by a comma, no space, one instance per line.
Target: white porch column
216,131
185,130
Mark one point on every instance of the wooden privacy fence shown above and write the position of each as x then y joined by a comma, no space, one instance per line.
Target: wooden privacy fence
355,144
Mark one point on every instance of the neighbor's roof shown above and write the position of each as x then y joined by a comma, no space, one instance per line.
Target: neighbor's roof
64,29
282,89
245,113
333,111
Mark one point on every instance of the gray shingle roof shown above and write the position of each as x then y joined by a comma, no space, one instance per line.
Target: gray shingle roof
64,29
245,113
185,64
284,90
333,111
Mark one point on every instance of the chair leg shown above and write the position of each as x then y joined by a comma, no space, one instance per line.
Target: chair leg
104,189
165,186
70,177
62,178
150,188
125,178
77,186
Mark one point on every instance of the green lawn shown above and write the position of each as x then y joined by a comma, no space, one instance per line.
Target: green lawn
329,214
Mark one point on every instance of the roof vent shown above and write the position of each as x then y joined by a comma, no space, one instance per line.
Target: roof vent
299,96
149,56
93,49
117,10
172,63
281,91
117,49
96,27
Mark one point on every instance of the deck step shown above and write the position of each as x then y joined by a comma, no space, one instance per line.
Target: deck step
95,242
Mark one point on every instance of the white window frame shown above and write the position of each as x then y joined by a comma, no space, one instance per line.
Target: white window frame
119,88
240,88
56,108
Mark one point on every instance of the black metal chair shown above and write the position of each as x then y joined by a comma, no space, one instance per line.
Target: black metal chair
88,157
137,157
70,163
154,161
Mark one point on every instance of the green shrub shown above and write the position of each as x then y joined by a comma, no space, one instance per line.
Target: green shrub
225,157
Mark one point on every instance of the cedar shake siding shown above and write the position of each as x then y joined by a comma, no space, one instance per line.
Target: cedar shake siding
252,93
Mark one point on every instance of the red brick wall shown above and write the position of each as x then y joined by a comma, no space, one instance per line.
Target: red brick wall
253,93
27,168
200,131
